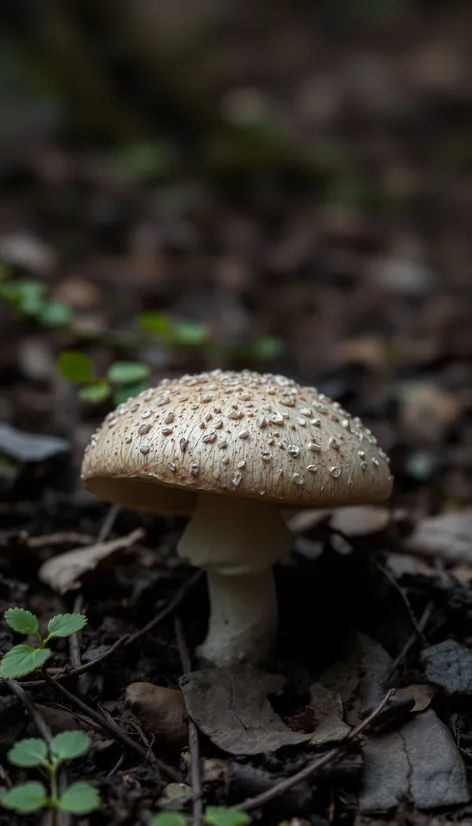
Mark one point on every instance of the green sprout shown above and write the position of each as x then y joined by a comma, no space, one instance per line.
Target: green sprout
78,798
23,659
213,816
29,299
123,379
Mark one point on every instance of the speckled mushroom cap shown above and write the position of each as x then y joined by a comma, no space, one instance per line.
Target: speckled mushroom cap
238,434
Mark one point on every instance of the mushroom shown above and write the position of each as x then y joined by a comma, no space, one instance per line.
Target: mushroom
232,449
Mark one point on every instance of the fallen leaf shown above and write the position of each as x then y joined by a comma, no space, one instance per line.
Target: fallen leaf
449,665
327,707
30,447
230,705
419,761
447,536
422,695
66,571
160,710
360,520
174,796
364,658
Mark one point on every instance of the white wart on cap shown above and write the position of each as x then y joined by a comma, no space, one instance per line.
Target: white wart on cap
224,446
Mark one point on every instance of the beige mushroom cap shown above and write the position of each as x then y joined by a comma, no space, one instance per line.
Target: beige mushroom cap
238,434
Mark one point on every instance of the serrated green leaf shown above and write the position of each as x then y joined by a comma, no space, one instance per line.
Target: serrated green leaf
30,752
27,797
21,660
76,367
69,744
63,625
190,333
169,819
128,372
221,816
55,313
79,799
95,393
159,324
21,620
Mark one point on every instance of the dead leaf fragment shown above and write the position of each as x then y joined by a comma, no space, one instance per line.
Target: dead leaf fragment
427,411
65,572
422,695
230,705
327,707
30,447
161,712
420,761
447,536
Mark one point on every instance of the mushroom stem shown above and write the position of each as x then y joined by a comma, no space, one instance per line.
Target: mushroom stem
237,541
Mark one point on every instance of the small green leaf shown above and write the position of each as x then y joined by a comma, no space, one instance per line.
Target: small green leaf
159,324
22,621
220,816
128,391
169,819
79,799
190,333
76,367
31,752
95,393
27,797
69,744
55,313
30,297
63,625
21,660
128,372
267,348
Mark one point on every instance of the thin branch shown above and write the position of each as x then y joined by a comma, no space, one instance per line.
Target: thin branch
108,523
74,672
193,743
33,712
74,642
330,756
114,730
173,604
401,593
424,619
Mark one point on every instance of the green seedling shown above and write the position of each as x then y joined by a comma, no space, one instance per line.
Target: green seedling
28,299
123,379
79,798
24,659
213,816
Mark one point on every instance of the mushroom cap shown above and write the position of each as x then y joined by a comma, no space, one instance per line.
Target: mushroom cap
238,434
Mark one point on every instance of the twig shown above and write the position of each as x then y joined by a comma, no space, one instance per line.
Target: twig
425,618
66,538
74,672
74,643
33,712
193,743
173,604
401,593
329,757
108,523
113,730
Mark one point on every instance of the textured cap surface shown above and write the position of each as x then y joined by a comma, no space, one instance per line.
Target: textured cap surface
239,434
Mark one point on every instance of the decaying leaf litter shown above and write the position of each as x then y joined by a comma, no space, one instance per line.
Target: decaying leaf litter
360,266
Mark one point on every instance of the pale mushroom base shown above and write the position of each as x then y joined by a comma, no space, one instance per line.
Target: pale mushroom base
237,541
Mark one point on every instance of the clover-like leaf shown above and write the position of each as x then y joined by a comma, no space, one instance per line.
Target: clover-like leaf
221,816
21,660
69,744
25,798
79,798
76,367
63,625
30,752
21,620
169,819
128,372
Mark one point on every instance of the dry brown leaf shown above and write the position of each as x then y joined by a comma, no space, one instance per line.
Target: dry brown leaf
327,706
65,572
447,536
422,694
